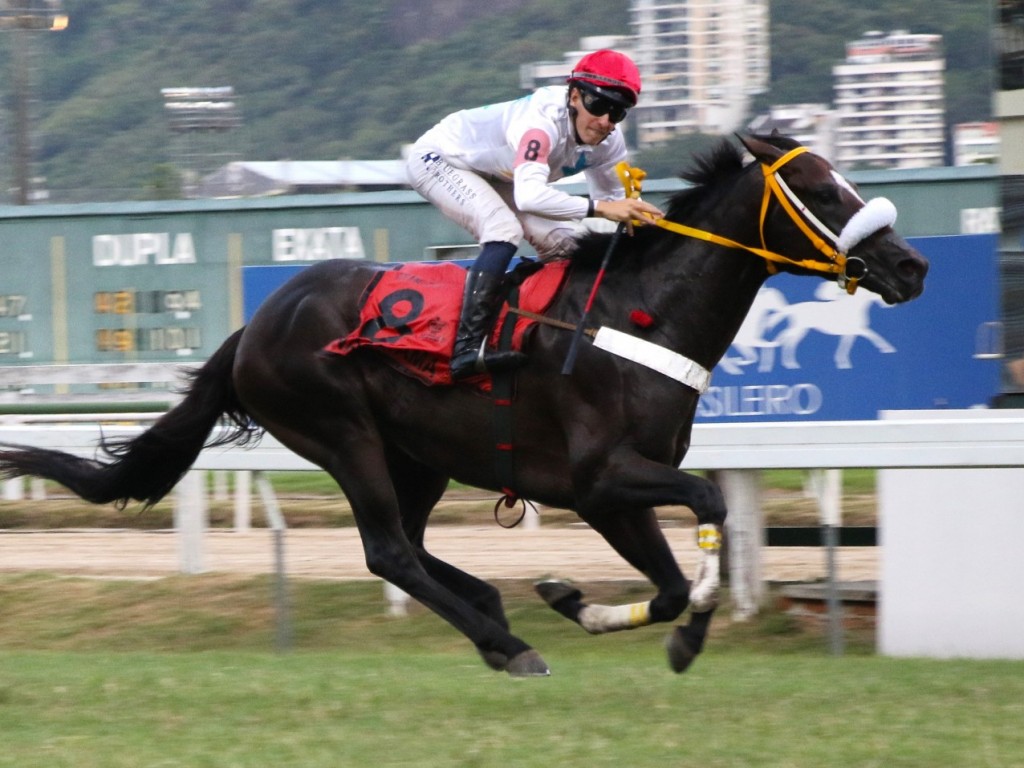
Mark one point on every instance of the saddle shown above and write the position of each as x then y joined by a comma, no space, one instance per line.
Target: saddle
410,314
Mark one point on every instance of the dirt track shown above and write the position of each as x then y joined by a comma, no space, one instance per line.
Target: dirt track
486,551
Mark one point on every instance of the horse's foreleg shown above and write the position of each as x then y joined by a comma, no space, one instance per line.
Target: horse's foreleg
630,483
704,592
666,606
647,483
596,619
638,538
686,641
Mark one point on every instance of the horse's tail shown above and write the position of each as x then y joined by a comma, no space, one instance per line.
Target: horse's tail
147,467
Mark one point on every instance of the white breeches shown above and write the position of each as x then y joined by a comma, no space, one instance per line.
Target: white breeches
483,207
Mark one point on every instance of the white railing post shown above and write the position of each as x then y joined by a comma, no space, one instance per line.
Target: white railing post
243,500
278,527
14,489
190,521
827,489
397,600
219,483
744,527
531,516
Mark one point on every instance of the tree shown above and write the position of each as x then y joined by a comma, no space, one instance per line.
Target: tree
164,183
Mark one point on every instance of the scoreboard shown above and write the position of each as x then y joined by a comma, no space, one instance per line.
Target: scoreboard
61,303
163,281
128,305
14,316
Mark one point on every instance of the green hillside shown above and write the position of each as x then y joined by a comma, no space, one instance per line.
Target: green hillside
320,80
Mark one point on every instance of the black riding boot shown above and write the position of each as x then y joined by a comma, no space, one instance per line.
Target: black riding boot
481,303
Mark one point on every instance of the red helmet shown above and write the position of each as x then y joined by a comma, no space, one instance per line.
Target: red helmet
608,69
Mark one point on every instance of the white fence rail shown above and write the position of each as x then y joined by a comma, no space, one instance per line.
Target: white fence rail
972,443
20,386
926,439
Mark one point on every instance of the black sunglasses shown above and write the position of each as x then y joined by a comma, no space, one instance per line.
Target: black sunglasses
599,105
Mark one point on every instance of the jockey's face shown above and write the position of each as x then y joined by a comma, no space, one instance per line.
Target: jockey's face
591,129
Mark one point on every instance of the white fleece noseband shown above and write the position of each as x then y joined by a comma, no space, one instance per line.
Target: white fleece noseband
877,213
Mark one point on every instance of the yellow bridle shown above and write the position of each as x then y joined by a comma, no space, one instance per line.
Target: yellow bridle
632,179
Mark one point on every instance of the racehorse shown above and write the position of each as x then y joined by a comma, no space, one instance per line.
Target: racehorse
605,439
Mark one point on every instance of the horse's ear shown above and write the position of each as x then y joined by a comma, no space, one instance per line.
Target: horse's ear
762,150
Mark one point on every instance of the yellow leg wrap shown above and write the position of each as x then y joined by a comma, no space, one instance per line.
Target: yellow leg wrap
709,538
598,619
640,614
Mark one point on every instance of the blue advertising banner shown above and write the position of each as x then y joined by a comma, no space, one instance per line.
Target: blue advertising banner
258,282
810,352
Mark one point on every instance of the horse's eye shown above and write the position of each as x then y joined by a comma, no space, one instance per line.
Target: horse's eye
828,195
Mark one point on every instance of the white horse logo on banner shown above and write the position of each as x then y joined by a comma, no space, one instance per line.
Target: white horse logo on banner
834,313
752,340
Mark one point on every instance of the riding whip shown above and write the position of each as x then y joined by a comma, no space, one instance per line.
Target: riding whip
631,179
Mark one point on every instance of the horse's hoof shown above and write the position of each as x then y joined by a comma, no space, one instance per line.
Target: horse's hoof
554,592
495,660
681,651
527,664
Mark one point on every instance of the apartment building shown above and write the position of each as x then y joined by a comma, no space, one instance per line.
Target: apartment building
976,143
813,125
701,63
890,102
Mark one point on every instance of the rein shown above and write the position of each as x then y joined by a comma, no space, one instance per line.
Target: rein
849,271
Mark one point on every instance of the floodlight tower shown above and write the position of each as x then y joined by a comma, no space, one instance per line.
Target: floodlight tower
23,17
195,112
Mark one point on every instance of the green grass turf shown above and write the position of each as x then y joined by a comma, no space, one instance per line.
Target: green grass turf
181,672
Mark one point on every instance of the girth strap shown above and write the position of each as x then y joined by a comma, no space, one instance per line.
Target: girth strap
502,393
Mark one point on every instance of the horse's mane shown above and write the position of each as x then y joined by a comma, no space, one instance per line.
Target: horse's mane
707,171
710,173
722,163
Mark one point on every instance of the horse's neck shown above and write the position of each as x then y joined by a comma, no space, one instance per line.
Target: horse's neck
701,317
700,294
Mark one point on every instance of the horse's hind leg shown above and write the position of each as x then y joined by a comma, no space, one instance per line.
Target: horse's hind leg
418,489
477,593
361,469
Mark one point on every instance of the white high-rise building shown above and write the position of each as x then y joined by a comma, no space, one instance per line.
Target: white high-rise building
701,61
541,73
813,125
889,95
976,143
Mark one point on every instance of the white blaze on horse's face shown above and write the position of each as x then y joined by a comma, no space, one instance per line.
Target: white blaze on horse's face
874,215
842,182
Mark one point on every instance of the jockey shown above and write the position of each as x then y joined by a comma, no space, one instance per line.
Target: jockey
490,170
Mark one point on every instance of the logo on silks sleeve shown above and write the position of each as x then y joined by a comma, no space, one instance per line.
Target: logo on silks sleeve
807,351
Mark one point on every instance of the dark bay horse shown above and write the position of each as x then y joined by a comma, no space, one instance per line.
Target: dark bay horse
605,440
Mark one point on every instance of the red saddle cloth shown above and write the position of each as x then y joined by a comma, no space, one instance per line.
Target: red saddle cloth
411,314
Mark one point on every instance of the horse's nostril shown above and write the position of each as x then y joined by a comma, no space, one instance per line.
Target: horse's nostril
913,268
